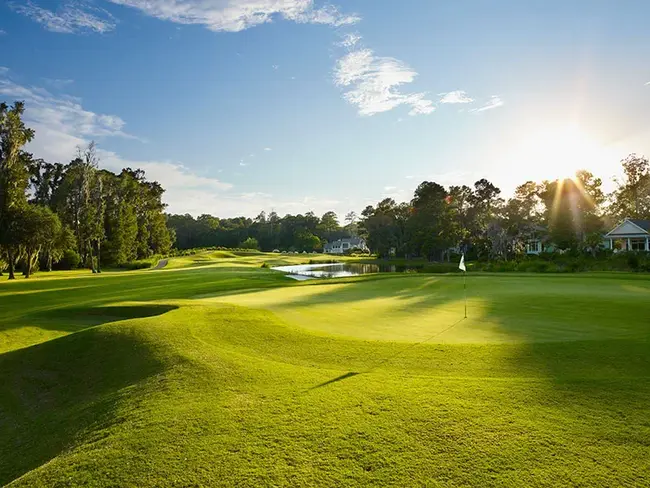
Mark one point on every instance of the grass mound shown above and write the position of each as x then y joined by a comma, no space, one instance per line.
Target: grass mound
67,392
223,255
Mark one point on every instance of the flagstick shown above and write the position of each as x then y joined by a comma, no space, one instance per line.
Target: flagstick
465,290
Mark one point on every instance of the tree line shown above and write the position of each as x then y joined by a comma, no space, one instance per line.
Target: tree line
570,214
75,213
307,232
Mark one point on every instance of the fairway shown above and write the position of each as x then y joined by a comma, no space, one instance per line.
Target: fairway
214,371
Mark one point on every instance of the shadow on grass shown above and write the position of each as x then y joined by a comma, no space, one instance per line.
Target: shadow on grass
386,360
342,377
76,317
72,319
53,395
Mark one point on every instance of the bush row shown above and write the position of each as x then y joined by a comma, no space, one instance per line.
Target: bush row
566,263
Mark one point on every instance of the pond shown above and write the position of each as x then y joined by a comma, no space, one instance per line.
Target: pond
338,270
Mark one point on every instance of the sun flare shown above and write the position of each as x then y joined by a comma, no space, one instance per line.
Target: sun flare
561,152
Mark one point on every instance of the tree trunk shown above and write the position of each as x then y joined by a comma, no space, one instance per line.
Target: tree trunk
12,263
28,266
49,261
99,266
92,258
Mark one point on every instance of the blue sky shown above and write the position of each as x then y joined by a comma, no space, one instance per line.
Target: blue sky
238,106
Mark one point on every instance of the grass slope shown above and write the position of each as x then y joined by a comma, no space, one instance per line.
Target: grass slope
218,372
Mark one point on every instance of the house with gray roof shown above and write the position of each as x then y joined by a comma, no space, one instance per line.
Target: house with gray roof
628,235
341,246
631,235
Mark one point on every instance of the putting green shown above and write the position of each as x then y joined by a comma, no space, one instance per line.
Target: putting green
500,309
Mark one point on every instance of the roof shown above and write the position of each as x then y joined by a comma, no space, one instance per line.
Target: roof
644,224
349,240
634,228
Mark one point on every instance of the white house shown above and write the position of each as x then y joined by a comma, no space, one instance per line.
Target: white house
341,246
631,234
535,244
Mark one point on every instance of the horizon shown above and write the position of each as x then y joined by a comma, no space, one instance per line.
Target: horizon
309,107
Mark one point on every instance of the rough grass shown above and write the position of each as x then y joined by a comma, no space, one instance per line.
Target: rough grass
228,374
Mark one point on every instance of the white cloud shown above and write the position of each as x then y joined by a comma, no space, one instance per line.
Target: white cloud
186,192
241,163
350,40
4,70
647,83
3,32
238,15
250,204
71,17
58,83
62,114
494,102
59,135
328,15
62,125
390,188
254,195
275,67
174,177
267,149
372,83
457,96
448,178
452,178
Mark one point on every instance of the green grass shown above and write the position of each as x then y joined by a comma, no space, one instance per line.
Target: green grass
214,371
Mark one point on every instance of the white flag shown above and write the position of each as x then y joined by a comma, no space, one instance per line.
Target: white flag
461,265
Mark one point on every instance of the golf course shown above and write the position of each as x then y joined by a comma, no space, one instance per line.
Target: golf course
214,370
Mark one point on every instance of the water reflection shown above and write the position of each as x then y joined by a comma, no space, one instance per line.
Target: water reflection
337,270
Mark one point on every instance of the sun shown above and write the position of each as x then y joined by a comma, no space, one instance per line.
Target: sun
559,153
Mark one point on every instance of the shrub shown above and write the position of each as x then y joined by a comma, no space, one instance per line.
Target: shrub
540,266
440,268
356,251
140,264
250,243
70,260
644,265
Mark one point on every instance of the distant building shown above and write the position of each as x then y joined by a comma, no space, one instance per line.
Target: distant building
631,235
342,246
534,246
537,241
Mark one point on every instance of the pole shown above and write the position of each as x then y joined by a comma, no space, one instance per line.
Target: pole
465,290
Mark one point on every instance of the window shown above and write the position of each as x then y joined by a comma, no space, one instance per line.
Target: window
637,244
534,247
